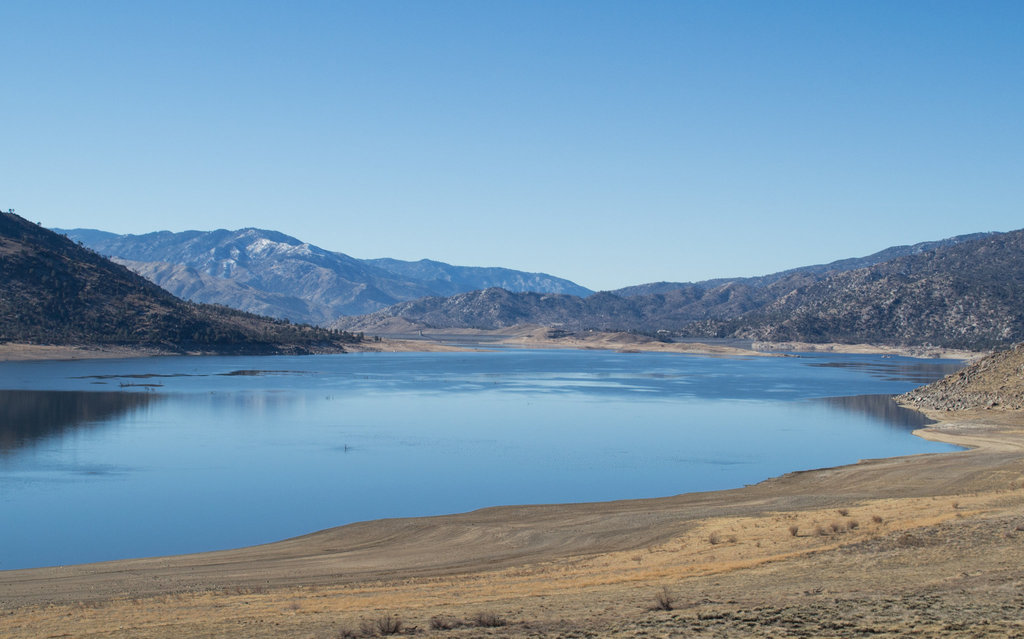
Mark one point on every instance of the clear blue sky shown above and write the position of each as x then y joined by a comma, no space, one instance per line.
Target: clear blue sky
612,143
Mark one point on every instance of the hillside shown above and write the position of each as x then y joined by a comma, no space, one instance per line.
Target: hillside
815,271
57,292
964,296
995,381
960,293
274,274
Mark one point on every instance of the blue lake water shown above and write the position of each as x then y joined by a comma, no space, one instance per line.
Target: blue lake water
108,459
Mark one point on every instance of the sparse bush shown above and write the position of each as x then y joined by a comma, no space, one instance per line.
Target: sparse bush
794,530
732,539
844,512
853,524
714,539
822,531
664,600
836,527
877,519
489,620
348,633
444,623
388,624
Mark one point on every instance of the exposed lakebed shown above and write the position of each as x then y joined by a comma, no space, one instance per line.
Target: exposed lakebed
108,459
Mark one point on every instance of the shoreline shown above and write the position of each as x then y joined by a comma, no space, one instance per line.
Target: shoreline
571,559
19,352
525,337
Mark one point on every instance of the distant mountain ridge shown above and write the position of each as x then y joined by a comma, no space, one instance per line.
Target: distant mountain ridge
54,291
848,264
271,273
964,292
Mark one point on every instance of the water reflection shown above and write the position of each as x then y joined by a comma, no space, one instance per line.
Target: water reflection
900,369
233,451
29,416
882,408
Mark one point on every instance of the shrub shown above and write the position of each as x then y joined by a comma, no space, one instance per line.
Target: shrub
845,512
793,530
836,527
489,620
664,600
388,625
714,539
877,519
853,524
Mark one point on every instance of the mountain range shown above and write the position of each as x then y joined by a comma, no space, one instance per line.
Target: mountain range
963,292
55,291
960,292
271,273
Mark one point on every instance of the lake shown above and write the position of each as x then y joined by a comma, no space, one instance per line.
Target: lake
109,459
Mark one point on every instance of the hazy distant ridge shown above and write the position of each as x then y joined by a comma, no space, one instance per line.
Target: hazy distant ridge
275,274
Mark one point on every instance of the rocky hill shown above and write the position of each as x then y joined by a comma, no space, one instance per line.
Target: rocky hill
960,293
497,308
813,272
274,274
55,291
969,295
995,381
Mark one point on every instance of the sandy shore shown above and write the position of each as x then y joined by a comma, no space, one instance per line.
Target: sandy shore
931,545
10,352
28,352
542,337
923,352
516,337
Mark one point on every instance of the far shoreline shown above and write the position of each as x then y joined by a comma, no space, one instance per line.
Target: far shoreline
521,337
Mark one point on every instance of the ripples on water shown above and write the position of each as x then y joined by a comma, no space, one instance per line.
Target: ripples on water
118,458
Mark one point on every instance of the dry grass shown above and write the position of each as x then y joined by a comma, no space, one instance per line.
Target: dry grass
583,585
444,622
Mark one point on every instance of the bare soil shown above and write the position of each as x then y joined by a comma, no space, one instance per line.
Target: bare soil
17,352
12,352
928,545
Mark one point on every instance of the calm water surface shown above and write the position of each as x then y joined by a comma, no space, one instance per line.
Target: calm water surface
124,458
